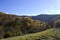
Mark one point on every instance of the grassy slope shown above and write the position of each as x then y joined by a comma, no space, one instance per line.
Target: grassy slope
50,34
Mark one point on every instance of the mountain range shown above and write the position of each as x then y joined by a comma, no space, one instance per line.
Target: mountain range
46,18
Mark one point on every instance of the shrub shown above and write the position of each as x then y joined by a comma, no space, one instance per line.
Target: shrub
8,34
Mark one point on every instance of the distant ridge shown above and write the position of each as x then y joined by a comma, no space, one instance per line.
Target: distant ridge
46,17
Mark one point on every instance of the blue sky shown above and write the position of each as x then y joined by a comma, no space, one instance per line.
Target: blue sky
30,7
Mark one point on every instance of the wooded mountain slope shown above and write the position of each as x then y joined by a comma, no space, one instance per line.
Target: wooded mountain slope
13,25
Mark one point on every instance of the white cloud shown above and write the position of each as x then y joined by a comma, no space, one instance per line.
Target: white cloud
53,12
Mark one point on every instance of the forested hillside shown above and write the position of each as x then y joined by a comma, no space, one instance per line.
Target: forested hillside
12,25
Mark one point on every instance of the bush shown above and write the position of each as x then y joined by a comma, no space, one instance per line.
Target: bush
8,34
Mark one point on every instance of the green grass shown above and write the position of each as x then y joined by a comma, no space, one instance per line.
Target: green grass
50,34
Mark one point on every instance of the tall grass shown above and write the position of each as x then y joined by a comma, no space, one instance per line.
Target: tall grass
50,34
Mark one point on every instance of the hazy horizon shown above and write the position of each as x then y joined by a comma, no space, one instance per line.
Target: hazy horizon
31,15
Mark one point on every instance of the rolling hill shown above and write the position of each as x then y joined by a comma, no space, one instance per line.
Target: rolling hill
50,34
14,27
